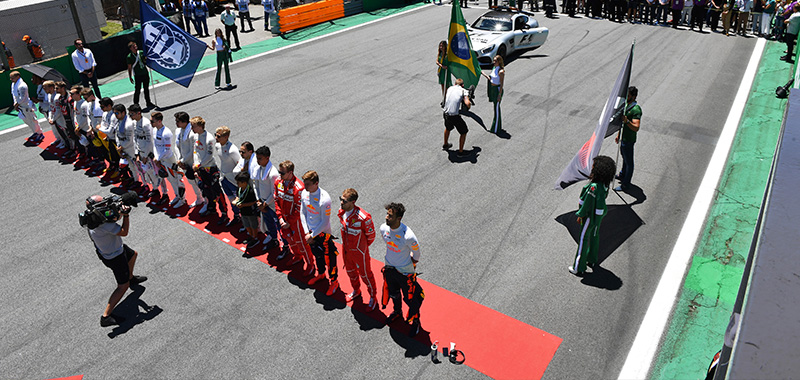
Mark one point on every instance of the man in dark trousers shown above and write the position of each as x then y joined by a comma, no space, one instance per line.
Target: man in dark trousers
137,73
630,128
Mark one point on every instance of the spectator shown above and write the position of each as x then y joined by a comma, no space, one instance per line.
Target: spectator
122,13
84,63
200,14
9,57
34,48
744,14
755,16
269,9
714,13
766,17
677,7
792,27
698,13
244,13
188,16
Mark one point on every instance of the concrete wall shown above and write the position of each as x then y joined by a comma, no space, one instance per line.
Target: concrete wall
49,22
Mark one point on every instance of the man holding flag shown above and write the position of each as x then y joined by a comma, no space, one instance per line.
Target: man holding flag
463,61
630,127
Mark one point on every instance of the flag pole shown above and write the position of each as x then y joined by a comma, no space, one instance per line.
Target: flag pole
150,72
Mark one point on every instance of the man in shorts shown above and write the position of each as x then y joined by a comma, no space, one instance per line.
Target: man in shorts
107,239
454,97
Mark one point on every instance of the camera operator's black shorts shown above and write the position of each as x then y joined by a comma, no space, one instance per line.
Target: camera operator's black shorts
119,265
456,122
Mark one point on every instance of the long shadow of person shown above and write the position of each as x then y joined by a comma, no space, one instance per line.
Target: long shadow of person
602,278
367,320
475,117
419,345
637,193
129,309
470,156
618,225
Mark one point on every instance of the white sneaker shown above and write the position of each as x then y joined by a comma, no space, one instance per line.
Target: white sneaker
196,203
179,203
572,270
204,208
174,201
372,304
61,144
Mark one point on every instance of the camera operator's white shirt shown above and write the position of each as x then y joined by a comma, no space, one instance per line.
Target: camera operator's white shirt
204,150
228,159
106,240
185,138
163,142
125,130
143,131
453,98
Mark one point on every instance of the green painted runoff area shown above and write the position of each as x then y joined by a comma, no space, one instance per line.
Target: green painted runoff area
122,86
704,308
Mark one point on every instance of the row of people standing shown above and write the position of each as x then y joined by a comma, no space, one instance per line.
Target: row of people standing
268,201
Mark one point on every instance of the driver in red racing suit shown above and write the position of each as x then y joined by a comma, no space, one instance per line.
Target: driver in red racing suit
358,233
287,207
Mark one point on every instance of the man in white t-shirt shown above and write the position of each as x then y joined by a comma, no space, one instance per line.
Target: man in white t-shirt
126,147
206,170
184,140
316,211
399,273
455,96
264,176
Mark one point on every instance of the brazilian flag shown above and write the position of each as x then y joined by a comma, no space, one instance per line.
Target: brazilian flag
463,61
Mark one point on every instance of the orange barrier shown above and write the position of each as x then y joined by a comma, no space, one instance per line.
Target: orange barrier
309,14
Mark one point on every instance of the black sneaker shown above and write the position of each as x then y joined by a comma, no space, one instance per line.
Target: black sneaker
164,199
272,244
252,243
395,315
135,280
223,220
447,146
111,320
283,254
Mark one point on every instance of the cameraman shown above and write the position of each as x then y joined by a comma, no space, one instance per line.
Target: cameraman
107,239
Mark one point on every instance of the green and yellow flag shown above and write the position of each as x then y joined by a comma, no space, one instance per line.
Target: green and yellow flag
463,61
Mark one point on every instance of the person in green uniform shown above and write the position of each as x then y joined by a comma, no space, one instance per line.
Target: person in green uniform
443,70
630,127
137,73
223,49
495,90
591,212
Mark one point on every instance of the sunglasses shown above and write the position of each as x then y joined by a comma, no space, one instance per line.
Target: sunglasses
343,200
281,173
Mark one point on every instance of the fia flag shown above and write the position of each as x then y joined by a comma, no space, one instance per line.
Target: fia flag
169,49
463,61
610,122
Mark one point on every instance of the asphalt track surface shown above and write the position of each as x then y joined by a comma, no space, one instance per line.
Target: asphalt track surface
361,108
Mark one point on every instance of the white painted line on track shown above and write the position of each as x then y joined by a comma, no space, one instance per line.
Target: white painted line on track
645,345
259,55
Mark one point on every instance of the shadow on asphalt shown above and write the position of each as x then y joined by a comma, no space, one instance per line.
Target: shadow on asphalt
602,278
129,309
181,104
471,156
618,225
419,345
475,117
367,320
637,193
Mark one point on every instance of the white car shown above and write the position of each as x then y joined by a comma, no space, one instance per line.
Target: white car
501,32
